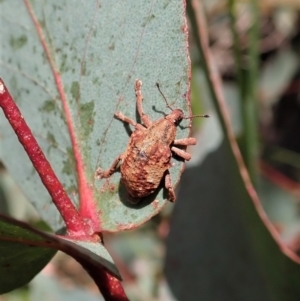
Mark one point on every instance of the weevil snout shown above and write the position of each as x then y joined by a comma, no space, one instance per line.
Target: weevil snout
175,116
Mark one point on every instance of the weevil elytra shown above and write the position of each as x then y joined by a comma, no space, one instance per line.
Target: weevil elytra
147,158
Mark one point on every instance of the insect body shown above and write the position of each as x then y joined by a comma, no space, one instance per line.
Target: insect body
147,158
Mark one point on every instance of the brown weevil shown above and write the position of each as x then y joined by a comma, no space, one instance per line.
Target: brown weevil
147,158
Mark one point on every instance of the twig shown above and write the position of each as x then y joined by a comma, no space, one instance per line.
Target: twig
110,287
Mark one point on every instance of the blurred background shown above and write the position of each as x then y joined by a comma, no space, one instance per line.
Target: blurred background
208,245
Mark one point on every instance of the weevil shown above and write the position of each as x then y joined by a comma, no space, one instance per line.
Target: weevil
147,158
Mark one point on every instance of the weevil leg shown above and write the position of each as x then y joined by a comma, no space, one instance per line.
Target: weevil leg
123,118
139,104
181,153
100,174
168,185
185,141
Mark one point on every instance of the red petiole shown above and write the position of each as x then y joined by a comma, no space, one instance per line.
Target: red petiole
74,222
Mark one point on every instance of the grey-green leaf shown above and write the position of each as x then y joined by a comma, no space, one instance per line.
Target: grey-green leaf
70,65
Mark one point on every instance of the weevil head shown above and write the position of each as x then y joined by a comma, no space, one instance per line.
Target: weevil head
175,116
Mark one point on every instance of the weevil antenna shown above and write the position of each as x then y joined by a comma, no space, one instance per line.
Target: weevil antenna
157,85
190,117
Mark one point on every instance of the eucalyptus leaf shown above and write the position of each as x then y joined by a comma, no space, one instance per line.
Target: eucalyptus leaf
70,65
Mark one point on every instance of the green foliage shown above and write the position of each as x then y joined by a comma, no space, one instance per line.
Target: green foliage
83,59
70,68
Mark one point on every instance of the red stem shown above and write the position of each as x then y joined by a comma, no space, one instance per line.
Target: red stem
70,215
110,287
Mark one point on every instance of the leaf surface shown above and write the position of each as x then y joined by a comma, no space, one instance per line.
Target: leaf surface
21,259
70,65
